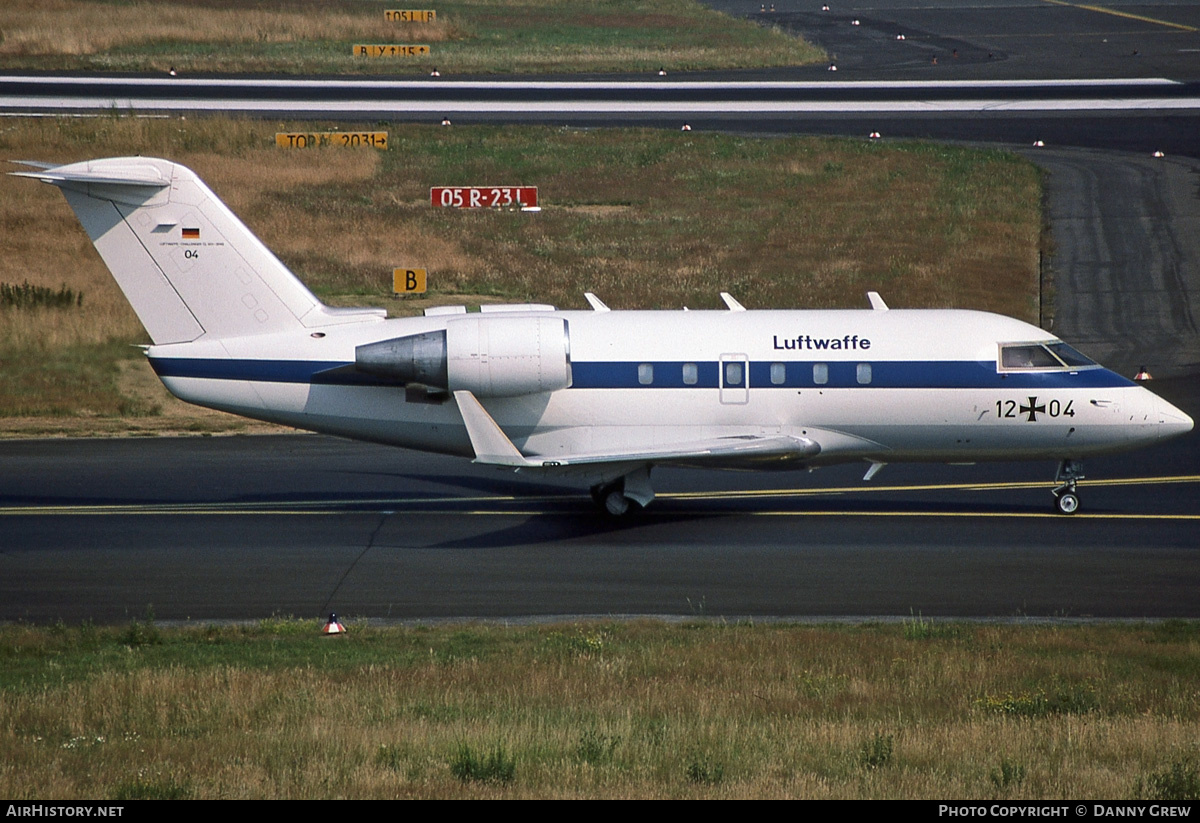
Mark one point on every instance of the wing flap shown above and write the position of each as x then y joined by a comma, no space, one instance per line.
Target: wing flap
493,447
738,448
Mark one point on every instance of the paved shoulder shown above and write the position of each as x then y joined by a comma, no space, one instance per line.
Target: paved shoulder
1125,267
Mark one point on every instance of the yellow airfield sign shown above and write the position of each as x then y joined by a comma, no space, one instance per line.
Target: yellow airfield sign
410,15
408,281
347,139
389,50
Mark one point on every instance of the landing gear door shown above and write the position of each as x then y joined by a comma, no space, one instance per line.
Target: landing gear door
735,379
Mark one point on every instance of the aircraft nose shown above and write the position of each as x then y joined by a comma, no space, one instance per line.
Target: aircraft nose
1172,421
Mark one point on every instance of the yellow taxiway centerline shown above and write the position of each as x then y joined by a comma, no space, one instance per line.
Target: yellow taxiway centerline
1001,486
218,512
412,506
1125,14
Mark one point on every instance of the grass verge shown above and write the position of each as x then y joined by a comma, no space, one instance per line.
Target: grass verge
316,37
637,709
644,218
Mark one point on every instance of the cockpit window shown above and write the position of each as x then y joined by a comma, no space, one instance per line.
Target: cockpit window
1070,356
1053,356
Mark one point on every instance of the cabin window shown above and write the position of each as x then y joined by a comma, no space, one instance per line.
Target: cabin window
863,373
646,373
1055,356
733,374
778,374
820,373
690,374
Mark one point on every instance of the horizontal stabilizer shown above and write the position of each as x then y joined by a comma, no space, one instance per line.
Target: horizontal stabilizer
134,176
34,164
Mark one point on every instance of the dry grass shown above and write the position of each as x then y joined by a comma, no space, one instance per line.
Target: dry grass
621,710
44,244
43,28
311,36
646,219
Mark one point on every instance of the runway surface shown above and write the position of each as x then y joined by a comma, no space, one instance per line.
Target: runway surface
978,39
1122,281
238,528
1012,72
1133,115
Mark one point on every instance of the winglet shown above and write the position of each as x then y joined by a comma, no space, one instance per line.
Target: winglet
876,301
595,302
731,303
489,441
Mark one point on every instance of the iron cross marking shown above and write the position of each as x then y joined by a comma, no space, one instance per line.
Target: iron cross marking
1032,410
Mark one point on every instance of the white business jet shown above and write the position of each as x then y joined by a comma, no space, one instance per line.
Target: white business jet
601,396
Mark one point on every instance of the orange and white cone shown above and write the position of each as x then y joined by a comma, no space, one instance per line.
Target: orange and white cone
1142,374
333,626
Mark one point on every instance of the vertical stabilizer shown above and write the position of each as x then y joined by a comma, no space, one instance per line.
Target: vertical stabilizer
188,266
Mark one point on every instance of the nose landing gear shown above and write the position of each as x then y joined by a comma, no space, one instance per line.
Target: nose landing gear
1066,499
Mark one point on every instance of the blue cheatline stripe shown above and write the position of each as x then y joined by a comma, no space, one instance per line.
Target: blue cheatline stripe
892,374
325,372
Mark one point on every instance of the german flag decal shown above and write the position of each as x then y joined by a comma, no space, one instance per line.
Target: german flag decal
191,234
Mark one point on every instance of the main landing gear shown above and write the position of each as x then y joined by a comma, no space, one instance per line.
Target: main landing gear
1066,499
611,499
625,495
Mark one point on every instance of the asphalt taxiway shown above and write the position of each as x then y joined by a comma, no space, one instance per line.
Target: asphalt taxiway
246,527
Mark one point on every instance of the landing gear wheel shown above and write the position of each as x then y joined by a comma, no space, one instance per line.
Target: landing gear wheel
1070,472
612,501
616,503
1067,503
625,495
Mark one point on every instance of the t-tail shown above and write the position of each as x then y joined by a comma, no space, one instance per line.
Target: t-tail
188,266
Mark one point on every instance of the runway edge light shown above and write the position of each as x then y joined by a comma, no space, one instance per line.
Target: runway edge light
332,626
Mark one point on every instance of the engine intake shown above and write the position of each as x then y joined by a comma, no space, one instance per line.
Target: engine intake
489,356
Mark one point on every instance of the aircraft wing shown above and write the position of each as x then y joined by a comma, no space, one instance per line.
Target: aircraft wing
493,447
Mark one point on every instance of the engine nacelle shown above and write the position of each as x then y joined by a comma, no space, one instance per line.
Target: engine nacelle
496,356
488,355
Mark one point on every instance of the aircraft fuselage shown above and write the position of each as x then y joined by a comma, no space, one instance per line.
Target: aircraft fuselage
874,385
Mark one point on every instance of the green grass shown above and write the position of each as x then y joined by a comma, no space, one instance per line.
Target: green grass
494,766
28,296
73,381
642,709
1180,781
